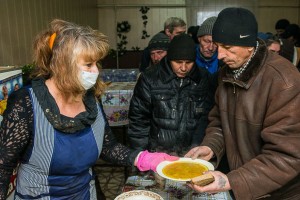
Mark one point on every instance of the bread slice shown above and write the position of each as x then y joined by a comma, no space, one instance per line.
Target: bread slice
203,180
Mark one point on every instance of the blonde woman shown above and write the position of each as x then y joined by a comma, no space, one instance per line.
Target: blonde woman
56,128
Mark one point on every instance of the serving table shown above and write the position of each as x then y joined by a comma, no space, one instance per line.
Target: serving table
172,190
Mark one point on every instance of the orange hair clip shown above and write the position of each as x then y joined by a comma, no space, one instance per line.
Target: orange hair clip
51,40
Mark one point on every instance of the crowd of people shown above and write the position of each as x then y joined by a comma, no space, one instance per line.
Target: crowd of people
285,41
254,121
222,92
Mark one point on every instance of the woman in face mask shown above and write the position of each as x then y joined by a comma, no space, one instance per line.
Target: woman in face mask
56,129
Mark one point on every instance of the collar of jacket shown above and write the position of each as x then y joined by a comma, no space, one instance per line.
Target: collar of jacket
245,80
167,73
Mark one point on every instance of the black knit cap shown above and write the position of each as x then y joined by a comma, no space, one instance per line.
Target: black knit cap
182,47
160,41
282,24
291,30
235,26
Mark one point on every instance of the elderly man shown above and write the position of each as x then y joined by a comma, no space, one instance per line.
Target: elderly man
158,47
173,26
207,55
256,119
171,101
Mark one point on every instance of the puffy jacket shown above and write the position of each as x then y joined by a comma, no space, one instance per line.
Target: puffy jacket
256,119
168,113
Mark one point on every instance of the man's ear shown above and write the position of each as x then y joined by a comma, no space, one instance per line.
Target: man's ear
250,48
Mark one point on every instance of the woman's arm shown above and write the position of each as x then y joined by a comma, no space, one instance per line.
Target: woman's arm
118,153
14,135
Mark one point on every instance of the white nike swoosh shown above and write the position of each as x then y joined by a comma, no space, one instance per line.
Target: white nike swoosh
244,36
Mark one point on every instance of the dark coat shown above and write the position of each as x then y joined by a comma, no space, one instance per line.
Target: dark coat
256,119
165,116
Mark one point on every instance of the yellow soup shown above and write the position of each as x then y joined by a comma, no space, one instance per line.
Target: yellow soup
184,170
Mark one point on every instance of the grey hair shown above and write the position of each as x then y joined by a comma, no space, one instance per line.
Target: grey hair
173,22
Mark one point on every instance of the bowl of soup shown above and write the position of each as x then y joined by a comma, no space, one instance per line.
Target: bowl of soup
183,169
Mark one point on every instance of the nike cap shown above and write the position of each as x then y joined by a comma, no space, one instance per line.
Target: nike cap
236,27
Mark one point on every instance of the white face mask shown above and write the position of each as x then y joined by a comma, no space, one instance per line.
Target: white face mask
88,79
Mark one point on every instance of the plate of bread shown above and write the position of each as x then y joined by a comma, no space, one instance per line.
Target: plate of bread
186,169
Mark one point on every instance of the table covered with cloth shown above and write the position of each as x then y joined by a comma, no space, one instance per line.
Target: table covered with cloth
116,98
172,190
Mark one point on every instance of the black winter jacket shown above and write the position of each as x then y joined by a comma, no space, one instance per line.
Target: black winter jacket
168,113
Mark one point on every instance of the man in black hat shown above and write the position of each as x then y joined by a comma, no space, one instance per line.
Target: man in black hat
256,118
158,47
169,107
292,33
173,26
280,26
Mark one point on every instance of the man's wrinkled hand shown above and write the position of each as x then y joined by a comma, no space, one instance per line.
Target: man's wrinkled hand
202,152
220,184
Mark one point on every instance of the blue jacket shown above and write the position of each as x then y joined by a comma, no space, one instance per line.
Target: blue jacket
211,65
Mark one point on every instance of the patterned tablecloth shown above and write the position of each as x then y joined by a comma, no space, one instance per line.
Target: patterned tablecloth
172,190
116,102
117,97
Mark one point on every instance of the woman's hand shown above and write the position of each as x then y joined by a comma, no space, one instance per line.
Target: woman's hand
203,152
220,184
148,161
